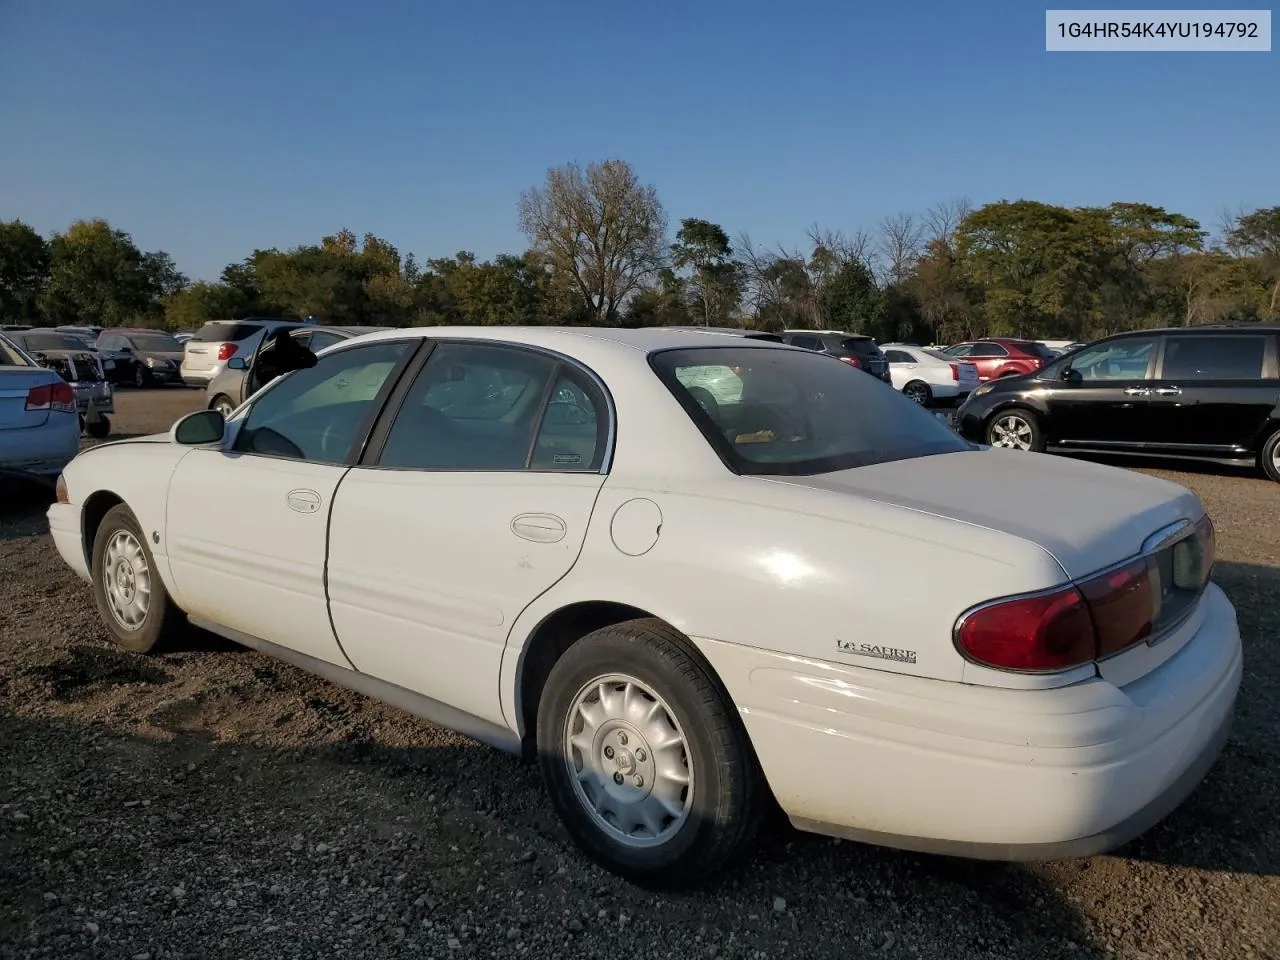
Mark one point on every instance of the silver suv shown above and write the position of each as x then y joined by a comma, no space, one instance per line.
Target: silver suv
205,355
237,382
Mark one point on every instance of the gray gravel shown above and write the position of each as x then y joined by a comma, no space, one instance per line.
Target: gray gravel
212,802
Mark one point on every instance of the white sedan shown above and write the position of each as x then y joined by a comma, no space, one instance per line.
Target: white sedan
926,375
683,602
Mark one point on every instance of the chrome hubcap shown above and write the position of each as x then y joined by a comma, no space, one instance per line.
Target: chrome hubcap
1011,433
916,392
224,408
629,761
127,579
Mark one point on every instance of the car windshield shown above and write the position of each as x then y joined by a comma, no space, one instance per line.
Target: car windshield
154,343
40,342
769,412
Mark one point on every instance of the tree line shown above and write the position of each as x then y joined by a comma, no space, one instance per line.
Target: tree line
600,252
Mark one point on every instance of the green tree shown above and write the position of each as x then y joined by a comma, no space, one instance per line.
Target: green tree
850,298
600,230
97,275
704,249
24,271
1257,235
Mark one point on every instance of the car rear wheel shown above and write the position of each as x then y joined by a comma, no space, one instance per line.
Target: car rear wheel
131,598
645,759
918,391
1269,458
1015,430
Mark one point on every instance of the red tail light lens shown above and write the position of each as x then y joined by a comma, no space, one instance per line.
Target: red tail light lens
226,351
852,361
1097,618
56,397
1046,632
955,371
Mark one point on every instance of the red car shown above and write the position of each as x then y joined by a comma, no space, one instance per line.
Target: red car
1002,356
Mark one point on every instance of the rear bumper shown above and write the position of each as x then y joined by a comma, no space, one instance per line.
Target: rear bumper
100,393
984,772
42,451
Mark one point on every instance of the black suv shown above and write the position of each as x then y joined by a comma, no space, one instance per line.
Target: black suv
854,349
1208,393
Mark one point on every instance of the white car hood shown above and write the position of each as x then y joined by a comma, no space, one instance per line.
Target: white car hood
1085,515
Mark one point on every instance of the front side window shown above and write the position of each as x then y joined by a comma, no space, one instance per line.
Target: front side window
988,350
1115,360
318,413
782,412
471,407
1214,358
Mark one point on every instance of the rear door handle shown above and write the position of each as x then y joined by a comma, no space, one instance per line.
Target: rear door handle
1169,391
539,527
1137,392
303,501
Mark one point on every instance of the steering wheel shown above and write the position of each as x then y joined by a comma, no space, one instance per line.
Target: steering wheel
570,414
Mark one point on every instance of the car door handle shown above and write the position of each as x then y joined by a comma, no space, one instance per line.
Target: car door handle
303,501
1169,391
539,527
1137,392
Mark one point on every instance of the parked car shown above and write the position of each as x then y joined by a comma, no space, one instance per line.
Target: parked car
925,375
659,601
79,366
206,354
1207,393
1001,357
238,380
91,332
39,424
183,336
854,349
145,358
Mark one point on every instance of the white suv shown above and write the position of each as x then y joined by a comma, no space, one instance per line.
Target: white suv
206,354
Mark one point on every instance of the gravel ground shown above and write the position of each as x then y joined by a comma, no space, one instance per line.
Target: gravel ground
212,802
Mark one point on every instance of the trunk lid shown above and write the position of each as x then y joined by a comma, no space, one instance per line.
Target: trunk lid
15,384
1085,515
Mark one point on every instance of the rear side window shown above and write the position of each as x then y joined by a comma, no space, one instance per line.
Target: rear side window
860,346
1214,358
988,350
227,332
782,412
899,356
809,343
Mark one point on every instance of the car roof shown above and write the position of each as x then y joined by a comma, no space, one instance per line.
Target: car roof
348,331
567,339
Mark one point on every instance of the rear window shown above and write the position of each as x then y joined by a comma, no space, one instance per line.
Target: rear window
11,356
1037,349
782,412
227,332
860,346
39,342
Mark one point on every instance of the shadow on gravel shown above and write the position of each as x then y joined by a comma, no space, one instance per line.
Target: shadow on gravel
431,839
1232,821
22,508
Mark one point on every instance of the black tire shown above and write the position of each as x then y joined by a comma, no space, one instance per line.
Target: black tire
1269,457
98,430
140,378
219,402
1002,422
162,619
727,798
919,391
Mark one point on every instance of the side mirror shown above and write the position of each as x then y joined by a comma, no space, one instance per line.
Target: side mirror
237,363
1072,376
201,427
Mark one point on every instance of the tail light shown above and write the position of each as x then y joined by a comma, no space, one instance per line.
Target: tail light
955,371
56,397
852,361
226,351
1096,618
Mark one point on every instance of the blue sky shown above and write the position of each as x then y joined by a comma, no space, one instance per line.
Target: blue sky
208,129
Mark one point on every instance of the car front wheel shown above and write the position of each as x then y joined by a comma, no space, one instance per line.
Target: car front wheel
645,759
918,391
223,405
131,598
1015,430
140,378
